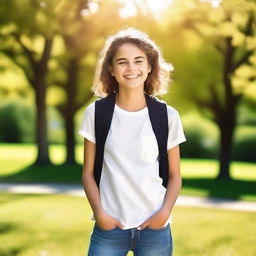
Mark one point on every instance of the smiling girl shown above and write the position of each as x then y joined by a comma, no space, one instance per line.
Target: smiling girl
130,190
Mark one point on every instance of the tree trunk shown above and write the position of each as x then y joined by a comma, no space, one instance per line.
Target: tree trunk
226,119
41,125
40,71
226,137
227,124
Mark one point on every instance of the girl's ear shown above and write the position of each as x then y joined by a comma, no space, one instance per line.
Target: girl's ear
149,68
110,68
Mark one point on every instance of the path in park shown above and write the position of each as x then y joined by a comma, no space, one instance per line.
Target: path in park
77,190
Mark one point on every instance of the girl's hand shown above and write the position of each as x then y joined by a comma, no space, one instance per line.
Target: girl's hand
107,222
156,221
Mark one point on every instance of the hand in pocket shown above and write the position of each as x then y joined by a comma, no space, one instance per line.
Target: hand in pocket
107,222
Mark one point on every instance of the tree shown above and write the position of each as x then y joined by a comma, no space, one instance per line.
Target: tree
27,41
225,50
72,38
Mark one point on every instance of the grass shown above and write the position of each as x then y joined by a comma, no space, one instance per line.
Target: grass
197,174
59,225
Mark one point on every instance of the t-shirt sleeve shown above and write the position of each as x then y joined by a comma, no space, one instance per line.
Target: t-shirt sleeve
176,133
87,128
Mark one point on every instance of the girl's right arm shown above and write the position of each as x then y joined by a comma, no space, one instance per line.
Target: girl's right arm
103,220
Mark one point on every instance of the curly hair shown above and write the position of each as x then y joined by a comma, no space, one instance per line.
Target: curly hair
158,79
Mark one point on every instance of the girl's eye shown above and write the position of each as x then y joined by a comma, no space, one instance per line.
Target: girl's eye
139,61
121,63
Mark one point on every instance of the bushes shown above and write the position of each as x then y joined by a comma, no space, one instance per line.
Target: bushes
203,140
245,144
201,137
17,119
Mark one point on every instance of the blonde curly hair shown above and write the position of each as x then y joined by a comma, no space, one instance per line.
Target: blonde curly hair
158,79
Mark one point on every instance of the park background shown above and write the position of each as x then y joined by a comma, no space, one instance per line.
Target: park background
48,53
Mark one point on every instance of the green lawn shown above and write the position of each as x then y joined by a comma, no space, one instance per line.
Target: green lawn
197,174
59,225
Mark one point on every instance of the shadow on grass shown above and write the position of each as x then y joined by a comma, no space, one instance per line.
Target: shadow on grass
10,251
221,188
7,227
48,173
72,174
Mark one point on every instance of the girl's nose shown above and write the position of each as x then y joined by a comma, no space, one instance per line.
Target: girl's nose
130,66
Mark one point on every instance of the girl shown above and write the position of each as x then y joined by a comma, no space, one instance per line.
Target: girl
131,206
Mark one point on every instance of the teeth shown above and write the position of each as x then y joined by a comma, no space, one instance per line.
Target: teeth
132,76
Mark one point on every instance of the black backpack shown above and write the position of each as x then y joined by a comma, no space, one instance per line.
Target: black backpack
104,109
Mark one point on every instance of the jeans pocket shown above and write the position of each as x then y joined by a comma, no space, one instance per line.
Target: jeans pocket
105,230
160,229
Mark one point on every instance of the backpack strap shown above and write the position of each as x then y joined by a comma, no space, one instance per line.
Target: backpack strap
159,120
104,109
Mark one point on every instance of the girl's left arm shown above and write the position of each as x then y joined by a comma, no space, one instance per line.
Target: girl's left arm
174,182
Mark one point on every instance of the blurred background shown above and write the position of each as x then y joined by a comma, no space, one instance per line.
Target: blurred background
48,53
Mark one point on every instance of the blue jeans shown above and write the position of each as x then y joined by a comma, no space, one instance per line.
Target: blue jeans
118,242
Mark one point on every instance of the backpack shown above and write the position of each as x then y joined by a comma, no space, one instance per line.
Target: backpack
104,109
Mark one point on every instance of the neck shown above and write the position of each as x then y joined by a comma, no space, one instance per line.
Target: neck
132,100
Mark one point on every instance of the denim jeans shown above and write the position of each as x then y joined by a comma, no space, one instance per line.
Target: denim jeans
118,242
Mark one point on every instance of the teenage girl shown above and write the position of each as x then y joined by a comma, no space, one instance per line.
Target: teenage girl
131,207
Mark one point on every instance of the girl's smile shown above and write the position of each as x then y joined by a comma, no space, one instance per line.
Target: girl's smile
131,76
130,66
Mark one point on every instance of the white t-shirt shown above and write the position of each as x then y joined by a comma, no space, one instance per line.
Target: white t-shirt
130,187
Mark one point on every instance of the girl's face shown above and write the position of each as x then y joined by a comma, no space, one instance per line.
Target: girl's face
130,67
